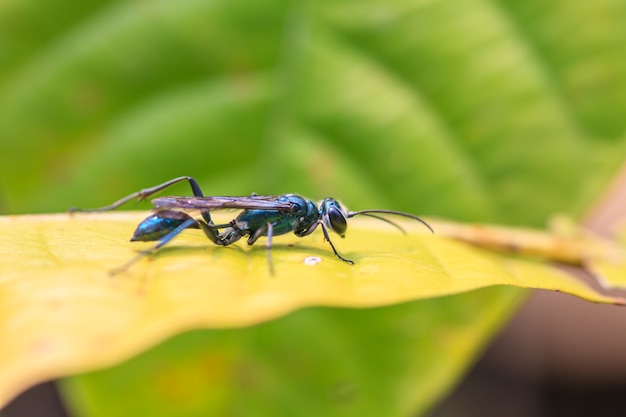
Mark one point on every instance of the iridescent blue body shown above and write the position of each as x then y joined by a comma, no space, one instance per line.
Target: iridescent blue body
260,216
155,227
253,222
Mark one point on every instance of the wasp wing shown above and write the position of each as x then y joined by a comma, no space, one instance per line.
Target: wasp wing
255,202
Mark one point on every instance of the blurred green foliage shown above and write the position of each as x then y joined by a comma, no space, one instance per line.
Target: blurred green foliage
494,111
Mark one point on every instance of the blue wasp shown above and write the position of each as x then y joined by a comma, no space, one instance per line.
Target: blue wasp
261,215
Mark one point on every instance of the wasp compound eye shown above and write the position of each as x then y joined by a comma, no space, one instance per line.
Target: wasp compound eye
337,221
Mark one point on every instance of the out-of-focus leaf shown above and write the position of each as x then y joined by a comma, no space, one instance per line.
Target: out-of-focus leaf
497,112
318,351
62,312
610,270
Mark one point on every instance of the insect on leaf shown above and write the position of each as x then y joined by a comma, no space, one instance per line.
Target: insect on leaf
55,284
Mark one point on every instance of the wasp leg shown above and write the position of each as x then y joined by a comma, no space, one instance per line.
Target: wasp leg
327,237
210,232
268,229
268,247
147,192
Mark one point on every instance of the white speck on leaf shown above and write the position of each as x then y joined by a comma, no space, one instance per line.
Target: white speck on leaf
312,260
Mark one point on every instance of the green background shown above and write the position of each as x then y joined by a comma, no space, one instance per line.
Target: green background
491,111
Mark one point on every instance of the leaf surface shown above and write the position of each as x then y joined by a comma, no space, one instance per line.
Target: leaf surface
56,284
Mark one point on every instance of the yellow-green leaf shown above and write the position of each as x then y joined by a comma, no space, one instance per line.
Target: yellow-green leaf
62,312
610,269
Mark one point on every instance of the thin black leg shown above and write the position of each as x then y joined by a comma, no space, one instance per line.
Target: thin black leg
268,247
147,192
333,246
268,229
211,233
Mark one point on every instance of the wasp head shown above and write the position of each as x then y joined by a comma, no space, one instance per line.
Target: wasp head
334,216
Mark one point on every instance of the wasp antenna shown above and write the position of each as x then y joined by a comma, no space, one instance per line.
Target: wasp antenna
396,225
393,212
